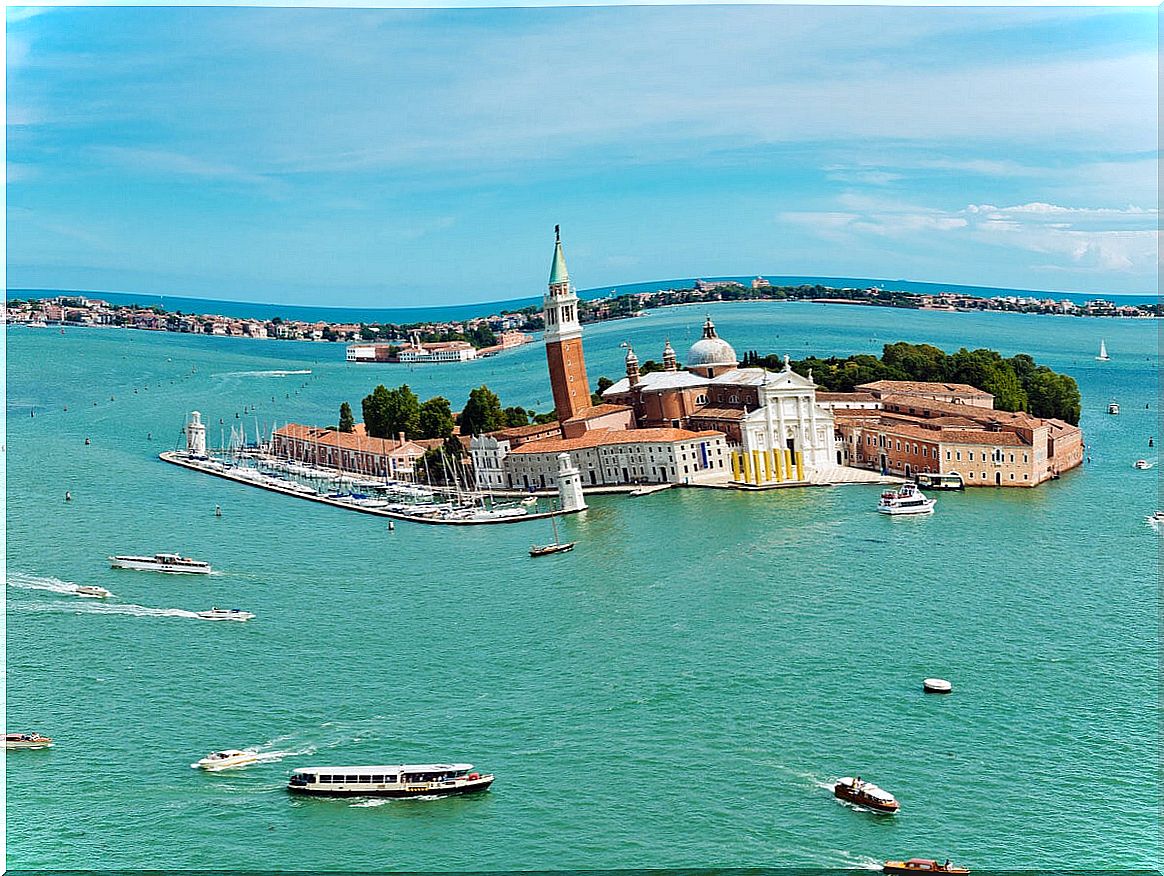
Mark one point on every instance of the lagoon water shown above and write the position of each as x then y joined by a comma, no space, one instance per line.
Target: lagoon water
678,691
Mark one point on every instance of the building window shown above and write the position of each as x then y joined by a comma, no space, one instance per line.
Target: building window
971,474
959,455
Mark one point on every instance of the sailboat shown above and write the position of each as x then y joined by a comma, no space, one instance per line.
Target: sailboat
558,547
1103,356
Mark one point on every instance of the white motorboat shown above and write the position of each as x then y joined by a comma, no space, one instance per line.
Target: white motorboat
27,741
1155,520
1113,408
225,614
92,591
529,501
170,563
226,759
1142,464
906,500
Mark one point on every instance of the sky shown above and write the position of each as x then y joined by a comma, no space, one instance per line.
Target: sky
416,157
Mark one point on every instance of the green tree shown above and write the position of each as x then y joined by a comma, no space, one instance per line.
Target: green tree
388,412
436,418
548,417
346,422
516,416
482,412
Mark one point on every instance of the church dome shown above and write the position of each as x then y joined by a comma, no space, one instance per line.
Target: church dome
711,349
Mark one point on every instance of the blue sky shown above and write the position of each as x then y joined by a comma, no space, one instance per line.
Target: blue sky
416,157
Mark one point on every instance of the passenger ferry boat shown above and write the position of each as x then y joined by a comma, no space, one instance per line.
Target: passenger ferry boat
935,481
907,500
28,741
401,780
923,865
161,563
226,759
865,794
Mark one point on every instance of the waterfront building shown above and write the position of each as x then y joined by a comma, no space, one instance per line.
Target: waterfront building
772,421
414,352
352,452
629,456
952,393
910,434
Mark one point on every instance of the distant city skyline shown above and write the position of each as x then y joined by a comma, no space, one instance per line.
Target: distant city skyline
395,158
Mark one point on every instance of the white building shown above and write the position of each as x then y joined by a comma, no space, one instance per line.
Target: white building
488,455
606,457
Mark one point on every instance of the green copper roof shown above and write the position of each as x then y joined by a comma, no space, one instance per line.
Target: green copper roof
558,272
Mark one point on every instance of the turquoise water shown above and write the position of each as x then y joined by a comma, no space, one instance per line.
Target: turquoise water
678,691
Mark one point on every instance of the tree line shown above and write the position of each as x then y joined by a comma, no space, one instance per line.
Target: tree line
1017,384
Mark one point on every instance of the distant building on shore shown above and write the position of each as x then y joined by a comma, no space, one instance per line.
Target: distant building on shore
414,352
352,452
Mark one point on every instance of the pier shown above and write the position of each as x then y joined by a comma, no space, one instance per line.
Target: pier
206,465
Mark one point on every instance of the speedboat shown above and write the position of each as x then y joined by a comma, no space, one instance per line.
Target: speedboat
529,501
1142,464
1113,408
906,500
865,794
226,759
28,741
923,865
92,591
171,563
401,780
225,614
1155,519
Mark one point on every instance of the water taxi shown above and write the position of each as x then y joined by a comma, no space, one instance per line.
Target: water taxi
172,563
92,591
401,780
226,759
27,741
906,500
225,614
923,865
866,794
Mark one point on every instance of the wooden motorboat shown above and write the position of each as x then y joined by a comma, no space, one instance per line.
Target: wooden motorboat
923,865
27,741
865,794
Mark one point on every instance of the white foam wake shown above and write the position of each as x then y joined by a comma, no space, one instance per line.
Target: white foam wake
25,581
102,608
275,373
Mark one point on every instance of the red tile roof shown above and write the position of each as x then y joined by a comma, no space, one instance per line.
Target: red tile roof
596,411
913,387
602,437
357,440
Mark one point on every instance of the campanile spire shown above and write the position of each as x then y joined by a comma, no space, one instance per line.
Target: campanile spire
563,337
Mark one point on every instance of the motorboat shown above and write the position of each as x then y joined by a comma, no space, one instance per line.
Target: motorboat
923,865
865,794
225,614
170,563
1113,408
1142,464
27,741
92,591
1155,520
226,759
401,780
937,685
529,501
908,499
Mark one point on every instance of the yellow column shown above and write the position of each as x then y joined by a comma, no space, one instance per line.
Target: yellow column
776,455
746,471
767,457
799,466
735,465
789,474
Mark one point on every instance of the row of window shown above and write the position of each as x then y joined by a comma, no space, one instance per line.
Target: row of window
357,780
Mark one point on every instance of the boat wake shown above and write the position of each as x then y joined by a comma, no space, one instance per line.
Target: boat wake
101,608
25,581
370,803
276,373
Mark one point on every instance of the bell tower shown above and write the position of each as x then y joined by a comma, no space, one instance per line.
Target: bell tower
563,336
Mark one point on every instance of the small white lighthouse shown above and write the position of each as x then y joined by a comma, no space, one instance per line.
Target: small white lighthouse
569,485
195,436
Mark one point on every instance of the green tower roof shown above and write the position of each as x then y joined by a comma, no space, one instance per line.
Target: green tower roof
558,272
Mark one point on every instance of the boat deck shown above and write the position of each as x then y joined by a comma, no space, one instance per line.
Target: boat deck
175,458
